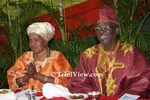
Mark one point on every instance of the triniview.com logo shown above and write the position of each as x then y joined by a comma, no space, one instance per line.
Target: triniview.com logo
79,74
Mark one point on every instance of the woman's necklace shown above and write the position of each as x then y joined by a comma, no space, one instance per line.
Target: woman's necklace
45,60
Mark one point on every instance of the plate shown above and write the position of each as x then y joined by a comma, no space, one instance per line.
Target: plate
4,91
77,94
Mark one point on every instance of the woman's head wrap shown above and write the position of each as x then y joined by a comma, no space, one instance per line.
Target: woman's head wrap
107,14
44,29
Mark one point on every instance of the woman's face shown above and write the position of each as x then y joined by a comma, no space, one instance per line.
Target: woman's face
37,43
107,33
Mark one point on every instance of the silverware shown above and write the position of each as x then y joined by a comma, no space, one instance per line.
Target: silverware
32,88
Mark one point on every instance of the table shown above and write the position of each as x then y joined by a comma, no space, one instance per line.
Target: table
101,98
111,98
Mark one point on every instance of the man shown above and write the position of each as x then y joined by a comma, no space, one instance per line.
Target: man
112,67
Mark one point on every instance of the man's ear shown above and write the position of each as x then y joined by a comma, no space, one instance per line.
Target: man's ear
117,30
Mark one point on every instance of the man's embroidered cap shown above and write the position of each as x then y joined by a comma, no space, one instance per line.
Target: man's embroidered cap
107,14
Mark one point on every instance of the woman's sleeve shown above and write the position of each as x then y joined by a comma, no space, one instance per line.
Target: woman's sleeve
62,68
16,71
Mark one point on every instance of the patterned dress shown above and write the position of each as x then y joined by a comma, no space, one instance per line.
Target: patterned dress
54,66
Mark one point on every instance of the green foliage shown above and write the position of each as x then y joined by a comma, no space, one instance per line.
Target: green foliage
71,48
6,55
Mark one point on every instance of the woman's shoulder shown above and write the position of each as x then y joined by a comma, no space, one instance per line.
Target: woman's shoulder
55,53
26,55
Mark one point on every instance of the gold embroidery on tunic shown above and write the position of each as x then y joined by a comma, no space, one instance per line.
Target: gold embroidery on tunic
90,52
104,65
110,84
126,47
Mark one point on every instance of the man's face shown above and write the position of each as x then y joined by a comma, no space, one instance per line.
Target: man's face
107,32
36,43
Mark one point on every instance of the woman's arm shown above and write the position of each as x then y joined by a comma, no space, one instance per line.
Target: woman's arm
22,80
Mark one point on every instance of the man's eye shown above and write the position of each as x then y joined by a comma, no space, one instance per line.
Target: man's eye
106,27
97,29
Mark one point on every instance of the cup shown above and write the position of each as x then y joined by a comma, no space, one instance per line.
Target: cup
94,95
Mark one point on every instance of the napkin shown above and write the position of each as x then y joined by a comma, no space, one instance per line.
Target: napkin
8,96
127,96
50,91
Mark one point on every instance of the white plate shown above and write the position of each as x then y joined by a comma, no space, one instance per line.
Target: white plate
85,96
5,89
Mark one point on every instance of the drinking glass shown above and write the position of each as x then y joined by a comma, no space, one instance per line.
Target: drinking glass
94,95
31,94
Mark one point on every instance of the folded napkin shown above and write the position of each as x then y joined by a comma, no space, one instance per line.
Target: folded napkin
50,91
8,96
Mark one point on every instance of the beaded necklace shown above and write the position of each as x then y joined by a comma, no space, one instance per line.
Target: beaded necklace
45,60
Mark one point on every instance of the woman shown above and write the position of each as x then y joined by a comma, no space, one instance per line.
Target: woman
40,65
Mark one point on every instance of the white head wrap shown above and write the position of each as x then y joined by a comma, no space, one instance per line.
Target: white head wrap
44,29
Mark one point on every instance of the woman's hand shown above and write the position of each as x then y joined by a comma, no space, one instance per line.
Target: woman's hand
30,70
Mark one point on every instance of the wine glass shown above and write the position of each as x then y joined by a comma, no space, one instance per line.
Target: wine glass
31,94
